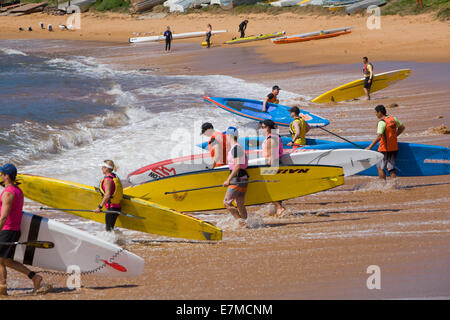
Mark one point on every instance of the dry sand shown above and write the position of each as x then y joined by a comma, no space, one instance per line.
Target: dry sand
324,245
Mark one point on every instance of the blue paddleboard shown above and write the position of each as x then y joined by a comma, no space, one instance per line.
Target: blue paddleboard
252,109
412,159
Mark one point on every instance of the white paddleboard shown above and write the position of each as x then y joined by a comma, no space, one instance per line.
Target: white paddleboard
175,36
73,247
352,161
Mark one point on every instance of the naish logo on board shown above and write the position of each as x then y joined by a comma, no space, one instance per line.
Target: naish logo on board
284,171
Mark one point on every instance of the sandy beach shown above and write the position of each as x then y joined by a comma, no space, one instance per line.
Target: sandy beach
322,247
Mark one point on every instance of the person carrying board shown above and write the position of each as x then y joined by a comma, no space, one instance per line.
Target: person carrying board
112,192
271,97
368,76
11,207
388,129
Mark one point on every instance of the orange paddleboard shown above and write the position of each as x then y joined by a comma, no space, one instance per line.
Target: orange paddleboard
317,37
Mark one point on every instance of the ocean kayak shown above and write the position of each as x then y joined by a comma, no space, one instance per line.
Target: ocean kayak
256,38
174,36
309,38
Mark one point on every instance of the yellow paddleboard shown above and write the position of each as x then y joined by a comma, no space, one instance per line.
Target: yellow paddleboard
158,219
355,89
285,182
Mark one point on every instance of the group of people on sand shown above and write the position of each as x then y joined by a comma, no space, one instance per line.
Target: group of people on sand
224,149
208,33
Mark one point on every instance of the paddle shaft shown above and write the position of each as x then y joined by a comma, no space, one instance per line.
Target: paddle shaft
37,244
102,211
334,134
217,186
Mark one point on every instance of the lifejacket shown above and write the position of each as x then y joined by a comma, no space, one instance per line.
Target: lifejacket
274,99
301,140
117,196
388,141
366,71
243,159
224,148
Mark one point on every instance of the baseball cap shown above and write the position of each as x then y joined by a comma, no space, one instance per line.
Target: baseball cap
276,87
10,170
232,131
206,126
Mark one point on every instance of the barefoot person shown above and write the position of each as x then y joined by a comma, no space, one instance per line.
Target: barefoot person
238,178
112,192
11,206
168,37
368,76
298,129
389,128
208,35
217,145
271,97
242,27
273,152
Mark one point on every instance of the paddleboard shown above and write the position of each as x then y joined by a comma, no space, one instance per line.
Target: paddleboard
174,36
73,247
412,159
309,38
252,143
158,219
355,88
252,109
351,160
292,181
256,38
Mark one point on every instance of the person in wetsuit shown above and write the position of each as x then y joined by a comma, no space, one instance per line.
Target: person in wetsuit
168,36
208,35
242,28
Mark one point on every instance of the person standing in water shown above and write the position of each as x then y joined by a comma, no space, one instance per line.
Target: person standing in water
112,192
238,178
11,207
273,152
208,35
271,97
298,129
217,145
368,76
168,36
388,129
243,27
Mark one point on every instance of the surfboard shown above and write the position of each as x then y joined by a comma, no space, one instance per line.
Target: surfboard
252,143
412,159
252,109
286,182
256,38
158,219
351,160
355,88
73,247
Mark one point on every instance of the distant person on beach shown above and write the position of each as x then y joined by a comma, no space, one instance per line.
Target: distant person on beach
389,128
112,192
273,152
168,36
298,129
208,35
238,178
11,208
217,144
368,76
271,97
421,3
242,28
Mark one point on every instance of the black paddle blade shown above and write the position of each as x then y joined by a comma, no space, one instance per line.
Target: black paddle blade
41,244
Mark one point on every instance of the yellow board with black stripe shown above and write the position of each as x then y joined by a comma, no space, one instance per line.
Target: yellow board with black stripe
284,182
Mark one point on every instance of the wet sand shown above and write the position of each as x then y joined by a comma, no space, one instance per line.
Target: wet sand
323,246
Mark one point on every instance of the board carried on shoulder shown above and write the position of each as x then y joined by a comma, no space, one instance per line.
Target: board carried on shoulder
253,109
276,183
73,247
158,219
412,160
355,89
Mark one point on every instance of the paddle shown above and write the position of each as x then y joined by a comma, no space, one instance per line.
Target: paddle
218,186
334,134
102,211
33,243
